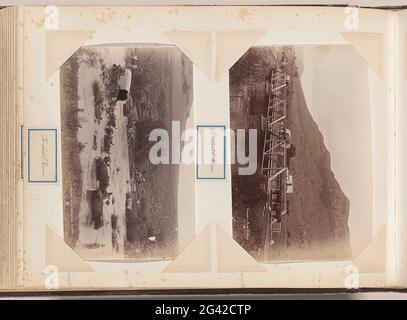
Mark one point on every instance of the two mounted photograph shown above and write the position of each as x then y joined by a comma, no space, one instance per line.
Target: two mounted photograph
182,147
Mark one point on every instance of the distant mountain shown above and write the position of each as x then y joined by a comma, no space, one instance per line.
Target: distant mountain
319,210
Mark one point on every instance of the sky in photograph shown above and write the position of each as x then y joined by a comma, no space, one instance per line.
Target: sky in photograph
335,85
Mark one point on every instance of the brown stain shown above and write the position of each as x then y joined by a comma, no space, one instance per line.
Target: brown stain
106,16
40,23
173,11
244,14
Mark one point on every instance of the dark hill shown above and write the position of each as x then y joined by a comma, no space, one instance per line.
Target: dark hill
319,210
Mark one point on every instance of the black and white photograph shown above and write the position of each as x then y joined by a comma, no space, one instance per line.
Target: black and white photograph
311,195
117,202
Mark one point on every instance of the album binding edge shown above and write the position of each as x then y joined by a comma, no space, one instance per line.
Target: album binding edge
11,129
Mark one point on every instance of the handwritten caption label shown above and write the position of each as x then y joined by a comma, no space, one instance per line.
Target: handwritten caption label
42,155
211,152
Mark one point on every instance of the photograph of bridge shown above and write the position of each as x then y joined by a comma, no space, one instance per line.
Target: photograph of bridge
294,207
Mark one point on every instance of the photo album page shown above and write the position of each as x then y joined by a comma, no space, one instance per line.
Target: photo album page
205,147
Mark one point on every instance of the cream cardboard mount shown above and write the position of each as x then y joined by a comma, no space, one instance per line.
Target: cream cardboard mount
213,249
229,47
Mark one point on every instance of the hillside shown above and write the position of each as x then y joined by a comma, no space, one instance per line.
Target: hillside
161,93
318,223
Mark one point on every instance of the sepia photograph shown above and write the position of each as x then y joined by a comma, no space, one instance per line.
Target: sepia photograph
310,197
117,202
